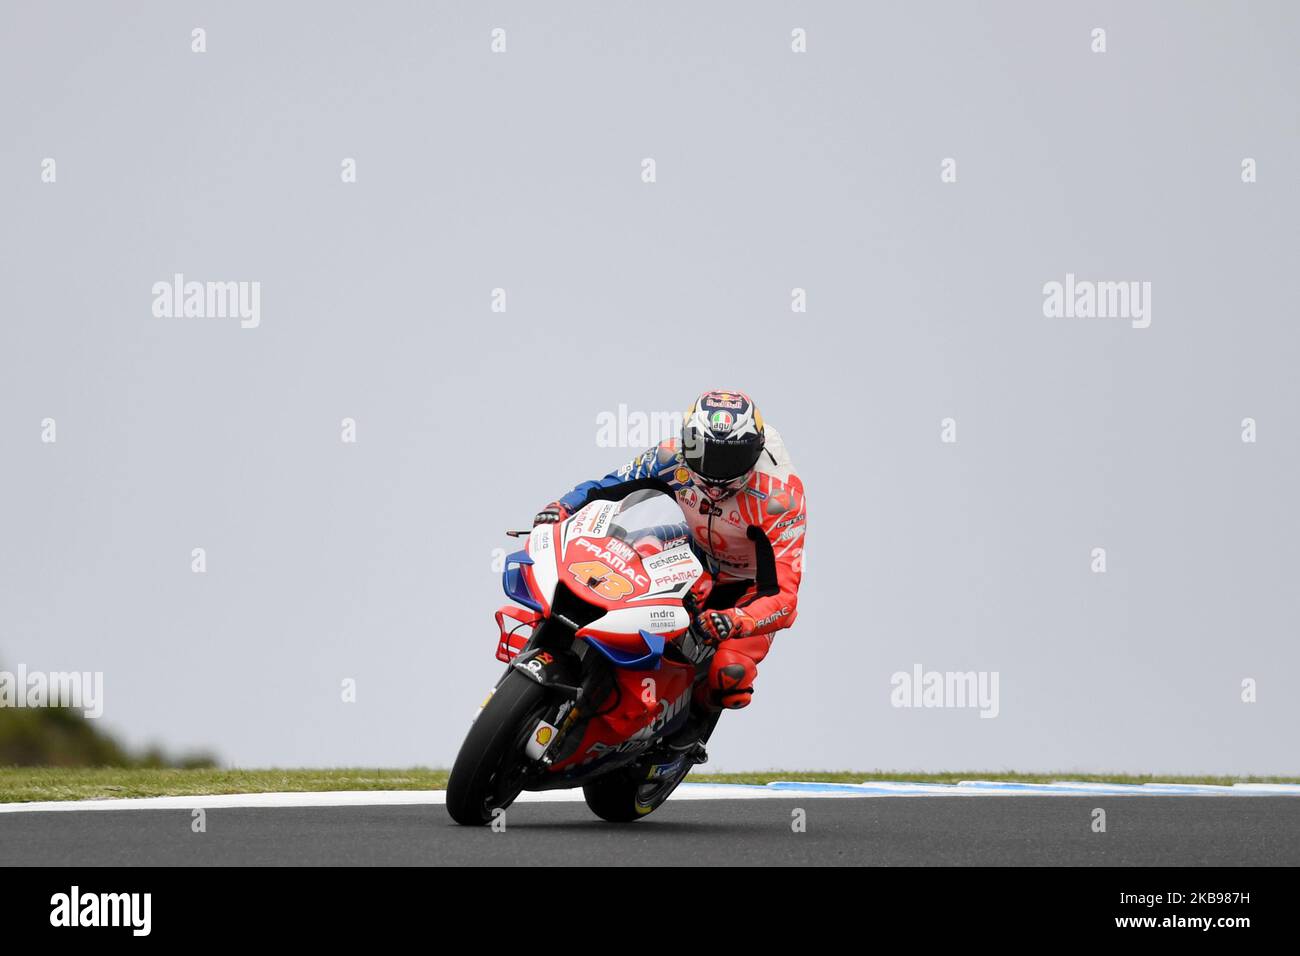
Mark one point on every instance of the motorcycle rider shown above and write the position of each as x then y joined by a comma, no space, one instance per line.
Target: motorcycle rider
744,505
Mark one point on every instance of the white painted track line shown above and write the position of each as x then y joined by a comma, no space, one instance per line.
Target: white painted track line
687,791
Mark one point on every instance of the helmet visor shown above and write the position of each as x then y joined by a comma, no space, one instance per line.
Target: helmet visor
719,462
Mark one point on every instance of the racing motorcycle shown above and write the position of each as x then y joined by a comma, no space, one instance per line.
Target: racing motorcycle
602,664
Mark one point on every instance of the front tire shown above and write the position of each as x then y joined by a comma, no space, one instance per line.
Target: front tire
488,772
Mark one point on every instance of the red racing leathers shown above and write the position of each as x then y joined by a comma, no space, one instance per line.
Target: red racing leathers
752,542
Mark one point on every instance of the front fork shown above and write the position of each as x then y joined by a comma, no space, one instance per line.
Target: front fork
555,659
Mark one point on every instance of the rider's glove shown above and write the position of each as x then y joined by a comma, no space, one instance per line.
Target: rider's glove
552,513
718,626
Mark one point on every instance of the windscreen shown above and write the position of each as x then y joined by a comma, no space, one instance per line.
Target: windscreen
649,521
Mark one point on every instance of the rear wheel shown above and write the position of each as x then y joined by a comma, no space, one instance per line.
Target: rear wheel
489,770
622,797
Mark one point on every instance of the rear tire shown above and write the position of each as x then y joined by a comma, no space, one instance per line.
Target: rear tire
488,772
622,797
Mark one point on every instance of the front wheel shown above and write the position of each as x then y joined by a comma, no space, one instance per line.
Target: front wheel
488,773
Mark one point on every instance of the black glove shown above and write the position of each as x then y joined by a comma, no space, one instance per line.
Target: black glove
552,513
719,626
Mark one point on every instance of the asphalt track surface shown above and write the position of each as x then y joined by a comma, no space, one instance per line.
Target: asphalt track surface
1020,830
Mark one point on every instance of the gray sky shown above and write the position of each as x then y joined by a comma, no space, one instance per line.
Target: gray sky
775,170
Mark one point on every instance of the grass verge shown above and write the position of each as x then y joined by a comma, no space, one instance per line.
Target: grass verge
26,784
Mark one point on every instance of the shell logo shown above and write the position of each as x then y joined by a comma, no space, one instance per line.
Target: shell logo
544,735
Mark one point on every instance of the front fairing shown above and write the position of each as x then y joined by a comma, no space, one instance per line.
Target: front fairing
629,559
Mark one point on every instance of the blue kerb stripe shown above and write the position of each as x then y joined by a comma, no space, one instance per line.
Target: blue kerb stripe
909,788
1118,788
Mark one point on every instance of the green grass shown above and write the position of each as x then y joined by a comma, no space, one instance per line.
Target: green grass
25,784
